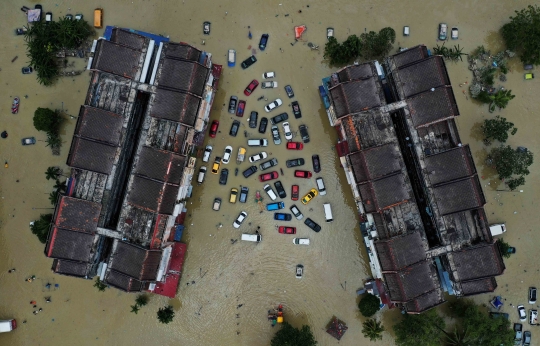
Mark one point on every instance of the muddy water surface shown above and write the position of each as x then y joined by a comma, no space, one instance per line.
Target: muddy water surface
229,275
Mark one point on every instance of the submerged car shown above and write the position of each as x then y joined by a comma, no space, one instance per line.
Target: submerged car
251,87
522,313
263,125
27,70
269,75
454,33
527,338
269,85
241,108
280,190
259,156
206,28
289,91
275,135
329,33
533,317
316,163
299,271
268,164
302,174
296,110
279,118
272,105
532,295
213,129
285,229
309,196
28,141
294,146
223,176
248,62
227,154
253,119
234,128
268,176
296,212
238,222
207,153
250,171
243,194
287,130
300,241
283,217
233,102
304,133
312,224
295,190
215,166
443,28
264,41
294,162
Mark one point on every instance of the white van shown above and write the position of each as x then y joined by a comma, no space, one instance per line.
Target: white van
7,325
270,192
328,212
202,174
320,186
251,237
258,142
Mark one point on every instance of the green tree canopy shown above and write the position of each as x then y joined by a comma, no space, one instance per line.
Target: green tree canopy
52,173
369,305
142,300
100,285
290,336
511,165
420,330
377,45
165,315
497,129
135,308
504,247
522,34
47,120
41,227
372,329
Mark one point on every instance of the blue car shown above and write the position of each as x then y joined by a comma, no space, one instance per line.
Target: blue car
282,216
263,41
275,206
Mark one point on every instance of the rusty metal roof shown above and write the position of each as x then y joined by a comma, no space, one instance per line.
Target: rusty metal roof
77,214
116,59
90,155
449,165
399,252
160,165
376,162
459,195
69,245
183,75
410,55
385,192
181,51
480,261
128,38
433,106
99,124
411,282
176,106
423,75
70,268
152,195
355,96
135,261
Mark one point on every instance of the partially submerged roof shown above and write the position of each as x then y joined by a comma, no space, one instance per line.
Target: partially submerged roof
336,328
423,75
70,245
478,261
128,38
355,72
135,261
176,106
99,124
123,282
432,106
355,96
376,162
385,192
152,195
181,51
71,268
401,251
471,287
449,165
160,165
410,55
77,214
459,195
90,155
116,59
370,129
183,75
411,282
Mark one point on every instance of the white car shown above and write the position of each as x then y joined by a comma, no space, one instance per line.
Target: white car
300,241
454,34
269,85
257,157
238,222
269,75
207,153
273,105
227,154
533,317
287,130
522,313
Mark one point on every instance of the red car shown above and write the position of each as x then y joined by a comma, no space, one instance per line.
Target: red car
241,108
268,176
295,146
213,128
295,190
302,174
251,87
287,230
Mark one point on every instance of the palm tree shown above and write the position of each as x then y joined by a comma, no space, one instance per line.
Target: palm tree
372,329
457,338
500,99
135,308
52,173
60,186
165,315
141,300
53,197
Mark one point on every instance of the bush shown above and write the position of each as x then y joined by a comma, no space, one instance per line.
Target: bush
369,305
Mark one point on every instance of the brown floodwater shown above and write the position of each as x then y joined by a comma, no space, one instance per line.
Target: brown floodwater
227,275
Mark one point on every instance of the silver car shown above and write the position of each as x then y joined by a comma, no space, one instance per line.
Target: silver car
275,135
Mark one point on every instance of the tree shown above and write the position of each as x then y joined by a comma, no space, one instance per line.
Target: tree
500,99
497,129
53,173
53,197
522,34
141,300
503,248
420,330
372,329
100,285
41,227
377,45
369,305
60,186
336,53
46,120
290,336
165,315
458,338
135,308
510,163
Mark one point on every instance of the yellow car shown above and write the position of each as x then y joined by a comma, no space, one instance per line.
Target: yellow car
234,193
310,195
215,166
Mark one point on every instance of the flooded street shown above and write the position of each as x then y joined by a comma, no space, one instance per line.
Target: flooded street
226,289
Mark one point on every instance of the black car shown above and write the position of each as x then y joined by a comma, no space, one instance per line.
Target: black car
263,42
289,91
253,119
223,176
263,124
316,163
295,163
296,110
312,224
234,128
248,172
280,190
268,164
233,102
248,62
27,70
279,118
243,194
304,133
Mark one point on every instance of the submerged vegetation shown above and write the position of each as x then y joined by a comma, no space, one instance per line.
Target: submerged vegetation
497,129
512,165
49,121
41,227
44,40
449,53
522,34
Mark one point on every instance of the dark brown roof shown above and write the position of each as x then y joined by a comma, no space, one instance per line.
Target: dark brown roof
423,75
128,38
355,96
135,261
176,106
478,261
70,245
410,282
449,165
77,214
99,124
181,51
439,136
459,195
160,165
183,75
425,302
472,287
353,72
123,282
400,252
410,55
432,106
152,195
116,59
71,268
385,192
369,130
376,162
90,155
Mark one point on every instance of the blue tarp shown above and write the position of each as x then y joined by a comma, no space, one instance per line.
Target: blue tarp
178,232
